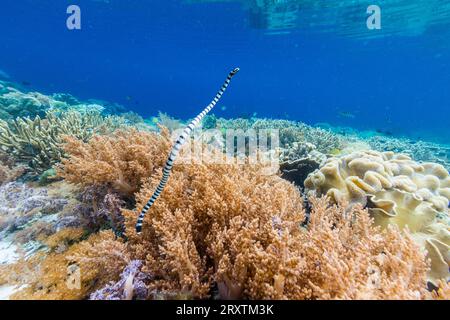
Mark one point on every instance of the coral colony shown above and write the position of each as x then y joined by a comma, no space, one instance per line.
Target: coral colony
343,216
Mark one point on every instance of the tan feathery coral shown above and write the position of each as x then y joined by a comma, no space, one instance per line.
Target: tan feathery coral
63,238
121,160
347,257
397,190
182,241
73,274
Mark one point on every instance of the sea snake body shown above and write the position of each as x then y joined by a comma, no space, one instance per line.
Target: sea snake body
176,149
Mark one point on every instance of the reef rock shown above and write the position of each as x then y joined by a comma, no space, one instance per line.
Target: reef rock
297,162
397,190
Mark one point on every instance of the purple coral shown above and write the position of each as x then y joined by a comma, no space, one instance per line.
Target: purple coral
100,208
20,203
131,285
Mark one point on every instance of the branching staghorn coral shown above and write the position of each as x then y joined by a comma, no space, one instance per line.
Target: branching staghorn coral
38,141
120,161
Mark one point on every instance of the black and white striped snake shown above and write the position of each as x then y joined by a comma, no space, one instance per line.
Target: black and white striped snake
176,149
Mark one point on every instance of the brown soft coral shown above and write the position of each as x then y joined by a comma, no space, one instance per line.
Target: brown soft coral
120,160
73,274
183,242
347,257
8,170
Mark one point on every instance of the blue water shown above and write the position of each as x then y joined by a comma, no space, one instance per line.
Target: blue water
152,55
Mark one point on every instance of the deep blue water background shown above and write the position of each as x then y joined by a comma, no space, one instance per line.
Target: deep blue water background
170,56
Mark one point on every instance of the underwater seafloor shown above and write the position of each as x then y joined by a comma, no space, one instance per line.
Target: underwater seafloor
348,215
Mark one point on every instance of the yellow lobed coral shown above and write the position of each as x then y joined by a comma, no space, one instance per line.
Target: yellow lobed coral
121,160
397,190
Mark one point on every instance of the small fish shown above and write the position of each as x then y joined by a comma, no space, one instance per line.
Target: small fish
346,114
223,108
25,83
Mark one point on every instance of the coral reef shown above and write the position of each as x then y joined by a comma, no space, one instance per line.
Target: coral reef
61,240
225,231
209,122
37,230
132,118
38,142
15,103
396,190
120,161
290,132
418,150
241,234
